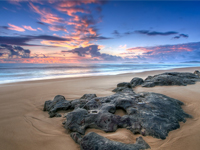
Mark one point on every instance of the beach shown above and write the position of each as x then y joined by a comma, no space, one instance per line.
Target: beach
24,125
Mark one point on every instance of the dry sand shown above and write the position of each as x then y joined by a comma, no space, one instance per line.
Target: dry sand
24,126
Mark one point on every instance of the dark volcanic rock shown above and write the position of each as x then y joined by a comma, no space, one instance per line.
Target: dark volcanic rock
93,141
148,114
59,103
171,78
136,81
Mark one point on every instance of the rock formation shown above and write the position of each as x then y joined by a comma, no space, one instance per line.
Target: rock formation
168,78
148,113
93,141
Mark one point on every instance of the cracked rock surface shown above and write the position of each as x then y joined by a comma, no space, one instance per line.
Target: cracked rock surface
148,113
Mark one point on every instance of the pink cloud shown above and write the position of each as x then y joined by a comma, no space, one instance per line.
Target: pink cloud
16,28
57,28
40,29
29,28
46,17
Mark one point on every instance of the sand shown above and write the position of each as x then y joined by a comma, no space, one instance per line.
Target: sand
24,126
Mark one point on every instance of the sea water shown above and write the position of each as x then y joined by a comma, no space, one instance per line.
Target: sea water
26,72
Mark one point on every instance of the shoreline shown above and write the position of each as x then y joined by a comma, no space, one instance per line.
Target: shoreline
24,125
87,76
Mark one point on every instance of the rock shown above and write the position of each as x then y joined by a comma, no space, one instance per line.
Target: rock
196,72
76,137
79,103
124,84
171,78
136,81
93,141
59,103
147,114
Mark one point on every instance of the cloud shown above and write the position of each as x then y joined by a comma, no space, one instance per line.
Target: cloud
153,33
177,52
181,35
23,40
97,37
40,29
46,17
14,27
29,28
92,52
57,28
9,51
116,33
122,46
41,23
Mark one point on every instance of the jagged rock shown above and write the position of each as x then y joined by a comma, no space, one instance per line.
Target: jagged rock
196,72
147,113
93,141
59,103
79,103
171,78
136,81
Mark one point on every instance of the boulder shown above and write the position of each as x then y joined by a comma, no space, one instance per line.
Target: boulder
136,82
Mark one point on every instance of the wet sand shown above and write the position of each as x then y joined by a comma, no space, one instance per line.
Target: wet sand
24,126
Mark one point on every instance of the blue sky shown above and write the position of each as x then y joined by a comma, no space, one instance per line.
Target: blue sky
99,31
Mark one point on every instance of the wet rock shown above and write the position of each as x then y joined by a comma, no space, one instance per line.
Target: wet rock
136,81
93,141
171,78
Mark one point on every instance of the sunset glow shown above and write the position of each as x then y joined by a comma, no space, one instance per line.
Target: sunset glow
116,31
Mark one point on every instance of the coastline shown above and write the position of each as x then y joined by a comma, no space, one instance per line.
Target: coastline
25,126
137,73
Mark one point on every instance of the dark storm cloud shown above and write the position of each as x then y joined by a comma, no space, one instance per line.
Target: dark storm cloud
22,40
93,51
14,51
153,33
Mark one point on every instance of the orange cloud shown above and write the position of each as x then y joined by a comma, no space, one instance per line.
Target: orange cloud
16,28
29,28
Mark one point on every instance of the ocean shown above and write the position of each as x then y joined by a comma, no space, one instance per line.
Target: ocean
26,72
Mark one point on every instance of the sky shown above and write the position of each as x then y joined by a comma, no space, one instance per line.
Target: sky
96,31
